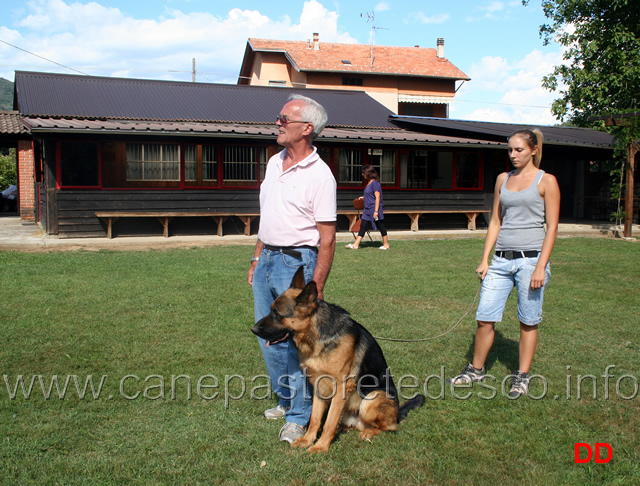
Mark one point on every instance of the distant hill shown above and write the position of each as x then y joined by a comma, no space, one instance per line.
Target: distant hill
6,94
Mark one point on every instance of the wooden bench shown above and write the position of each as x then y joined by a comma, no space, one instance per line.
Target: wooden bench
414,215
164,217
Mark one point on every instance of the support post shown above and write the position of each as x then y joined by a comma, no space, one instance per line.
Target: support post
628,202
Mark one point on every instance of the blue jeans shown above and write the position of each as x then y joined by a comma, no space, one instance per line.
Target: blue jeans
272,276
502,276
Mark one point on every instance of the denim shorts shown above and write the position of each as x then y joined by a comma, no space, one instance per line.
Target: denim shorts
503,274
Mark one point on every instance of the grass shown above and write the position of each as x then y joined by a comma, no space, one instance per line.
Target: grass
137,319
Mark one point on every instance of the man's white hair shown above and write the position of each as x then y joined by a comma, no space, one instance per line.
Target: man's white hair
312,112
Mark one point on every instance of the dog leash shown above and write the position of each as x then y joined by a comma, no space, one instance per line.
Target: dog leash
439,335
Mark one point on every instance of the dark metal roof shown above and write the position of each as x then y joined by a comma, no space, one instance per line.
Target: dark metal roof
227,130
97,104
499,132
71,96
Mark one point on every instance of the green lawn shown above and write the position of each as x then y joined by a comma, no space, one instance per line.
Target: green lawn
179,387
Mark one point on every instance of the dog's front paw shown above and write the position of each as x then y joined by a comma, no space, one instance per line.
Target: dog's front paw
318,448
302,442
369,433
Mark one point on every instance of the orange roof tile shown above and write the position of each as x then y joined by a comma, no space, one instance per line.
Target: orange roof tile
391,60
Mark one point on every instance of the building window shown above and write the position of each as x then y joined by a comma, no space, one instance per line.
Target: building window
384,162
153,162
350,81
440,170
468,170
241,164
325,154
190,163
431,169
417,169
350,162
200,169
79,164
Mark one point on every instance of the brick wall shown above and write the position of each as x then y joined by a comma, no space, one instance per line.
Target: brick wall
26,185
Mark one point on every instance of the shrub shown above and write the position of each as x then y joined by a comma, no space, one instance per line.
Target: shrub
8,170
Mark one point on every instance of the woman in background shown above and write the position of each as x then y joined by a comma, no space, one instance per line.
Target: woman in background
372,214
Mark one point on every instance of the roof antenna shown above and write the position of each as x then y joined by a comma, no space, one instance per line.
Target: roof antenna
371,18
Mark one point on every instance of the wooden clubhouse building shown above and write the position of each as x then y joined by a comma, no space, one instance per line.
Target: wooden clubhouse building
109,156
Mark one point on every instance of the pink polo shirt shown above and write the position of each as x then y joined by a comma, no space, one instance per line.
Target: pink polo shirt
291,203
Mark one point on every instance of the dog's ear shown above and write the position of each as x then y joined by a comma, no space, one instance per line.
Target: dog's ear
298,281
309,295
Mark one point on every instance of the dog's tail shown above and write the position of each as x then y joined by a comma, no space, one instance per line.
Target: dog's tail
409,405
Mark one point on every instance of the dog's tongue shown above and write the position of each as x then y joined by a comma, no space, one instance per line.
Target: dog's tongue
278,341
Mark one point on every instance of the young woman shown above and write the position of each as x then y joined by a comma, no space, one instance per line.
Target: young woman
372,215
525,199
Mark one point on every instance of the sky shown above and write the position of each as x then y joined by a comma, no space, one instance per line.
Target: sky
494,42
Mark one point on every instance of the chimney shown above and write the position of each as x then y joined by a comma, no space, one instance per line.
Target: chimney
316,41
440,47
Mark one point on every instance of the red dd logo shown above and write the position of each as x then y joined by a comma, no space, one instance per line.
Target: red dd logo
590,453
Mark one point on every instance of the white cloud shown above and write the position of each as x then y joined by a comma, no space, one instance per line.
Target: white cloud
381,7
493,7
487,75
515,116
8,35
495,10
422,18
314,14
102,41
56,15
508,92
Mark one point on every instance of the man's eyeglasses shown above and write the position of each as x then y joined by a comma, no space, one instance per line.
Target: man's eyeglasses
284,120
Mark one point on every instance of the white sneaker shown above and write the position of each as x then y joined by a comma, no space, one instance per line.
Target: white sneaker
290,432
520,384
276,412
469,374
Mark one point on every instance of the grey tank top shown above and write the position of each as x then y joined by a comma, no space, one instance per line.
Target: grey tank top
522,217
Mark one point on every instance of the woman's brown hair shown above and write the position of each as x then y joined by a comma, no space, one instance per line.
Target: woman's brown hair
534,140
370,173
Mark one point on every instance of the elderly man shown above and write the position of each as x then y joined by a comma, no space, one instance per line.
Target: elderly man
297,227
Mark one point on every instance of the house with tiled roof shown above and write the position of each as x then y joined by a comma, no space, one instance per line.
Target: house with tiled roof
416,81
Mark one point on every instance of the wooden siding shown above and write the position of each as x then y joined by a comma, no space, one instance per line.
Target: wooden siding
77,208
422,200
418,199
41,204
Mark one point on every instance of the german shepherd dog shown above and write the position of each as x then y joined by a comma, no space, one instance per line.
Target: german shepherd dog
344,364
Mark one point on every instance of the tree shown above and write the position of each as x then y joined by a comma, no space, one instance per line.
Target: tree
602,42
8,171
600,85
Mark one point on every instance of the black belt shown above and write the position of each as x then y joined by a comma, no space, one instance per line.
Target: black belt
290,250
513,254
